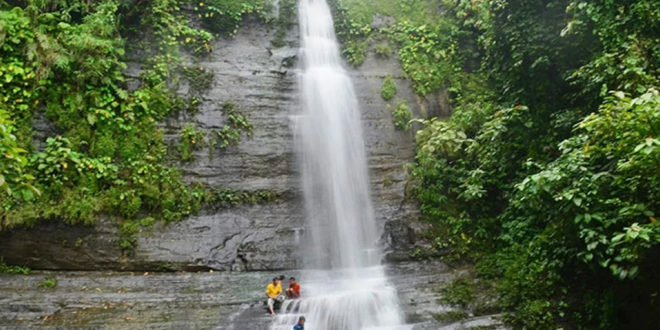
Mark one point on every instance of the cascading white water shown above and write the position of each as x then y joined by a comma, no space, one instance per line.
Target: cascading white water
345,286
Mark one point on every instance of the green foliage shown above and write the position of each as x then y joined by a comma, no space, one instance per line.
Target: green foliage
537,55
67,60
199,78
450,316
401,116
627,35
14,181
128,233
48,283
427,55
17,72
353,23
353,32
383,50
389,88
224,16
163,21
428,41
224,198
59,166
546,174
460,292
7,269
285,20
230,133
606,180
190,139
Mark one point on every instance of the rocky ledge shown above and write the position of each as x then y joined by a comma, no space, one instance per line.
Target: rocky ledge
203,300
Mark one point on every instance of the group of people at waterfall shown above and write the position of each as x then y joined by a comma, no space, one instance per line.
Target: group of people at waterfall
275,294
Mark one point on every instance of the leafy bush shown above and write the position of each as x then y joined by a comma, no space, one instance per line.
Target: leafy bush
59,166
231,132
402,116
199,78
459,293
284,21
389,88
48,283
224,16
190,139
427,55
230,198
613,207
353,32
14,179
7,269
18,71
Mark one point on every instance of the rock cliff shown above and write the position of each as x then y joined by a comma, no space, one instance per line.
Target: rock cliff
261,81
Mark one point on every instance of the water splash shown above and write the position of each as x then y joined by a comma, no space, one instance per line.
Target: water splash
345,286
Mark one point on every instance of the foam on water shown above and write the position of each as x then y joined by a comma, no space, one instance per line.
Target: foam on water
345,286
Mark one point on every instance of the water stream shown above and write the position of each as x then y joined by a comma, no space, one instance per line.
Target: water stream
344,285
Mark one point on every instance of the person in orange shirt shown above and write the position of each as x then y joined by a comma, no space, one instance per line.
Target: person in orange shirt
293,292
274,293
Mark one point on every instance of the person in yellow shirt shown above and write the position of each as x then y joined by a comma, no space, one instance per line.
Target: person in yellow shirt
274,293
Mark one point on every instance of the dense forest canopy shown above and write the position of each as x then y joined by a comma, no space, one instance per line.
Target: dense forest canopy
546,176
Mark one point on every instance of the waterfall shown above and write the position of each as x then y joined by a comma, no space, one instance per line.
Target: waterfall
344,286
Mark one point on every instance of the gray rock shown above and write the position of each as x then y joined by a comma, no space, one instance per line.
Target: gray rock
55,245
203,300
381,21
260,80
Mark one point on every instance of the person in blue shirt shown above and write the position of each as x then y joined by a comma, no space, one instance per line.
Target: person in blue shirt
300,325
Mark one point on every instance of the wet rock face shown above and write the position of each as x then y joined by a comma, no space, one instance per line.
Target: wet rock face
54,245
241,239
262,82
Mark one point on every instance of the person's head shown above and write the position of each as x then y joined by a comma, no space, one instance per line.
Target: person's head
275,280
301,320
282,277
292,280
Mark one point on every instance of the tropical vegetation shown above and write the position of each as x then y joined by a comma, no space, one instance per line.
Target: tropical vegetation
546,175
66,62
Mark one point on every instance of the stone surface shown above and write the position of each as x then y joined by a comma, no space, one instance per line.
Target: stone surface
239,239
219,300
54,245
262,83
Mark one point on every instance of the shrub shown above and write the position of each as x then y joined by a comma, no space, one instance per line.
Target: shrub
284,21
389,88
402,116
224,16
7,269
190,139
48,283
14,179
460,292
237,124
199,78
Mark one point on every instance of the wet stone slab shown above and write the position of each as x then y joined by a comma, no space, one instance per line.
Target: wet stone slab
219,300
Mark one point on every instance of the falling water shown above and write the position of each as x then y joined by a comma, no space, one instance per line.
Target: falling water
345,286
